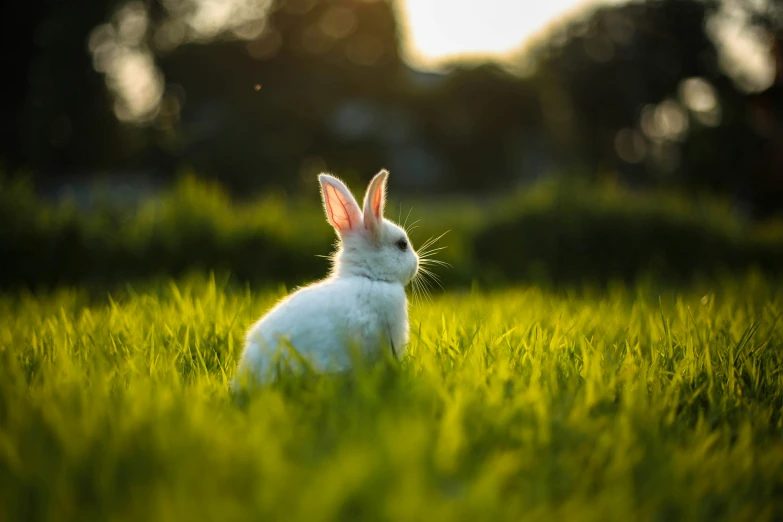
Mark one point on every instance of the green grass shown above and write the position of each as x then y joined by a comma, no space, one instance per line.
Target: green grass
522,404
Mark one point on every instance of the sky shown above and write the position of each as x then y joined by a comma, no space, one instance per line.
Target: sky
437,31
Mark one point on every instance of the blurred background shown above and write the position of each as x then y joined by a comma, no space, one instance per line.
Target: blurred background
558,141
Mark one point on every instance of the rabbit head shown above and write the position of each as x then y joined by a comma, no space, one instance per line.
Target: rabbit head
370,246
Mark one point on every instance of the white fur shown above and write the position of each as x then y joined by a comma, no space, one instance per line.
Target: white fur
360,306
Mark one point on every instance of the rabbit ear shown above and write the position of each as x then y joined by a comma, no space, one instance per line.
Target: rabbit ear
374,201
342,211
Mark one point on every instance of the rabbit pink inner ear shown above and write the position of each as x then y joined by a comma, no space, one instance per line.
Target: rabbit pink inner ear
337,210
374,201
377,198
341,209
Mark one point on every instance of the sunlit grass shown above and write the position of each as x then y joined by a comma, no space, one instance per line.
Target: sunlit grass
625,404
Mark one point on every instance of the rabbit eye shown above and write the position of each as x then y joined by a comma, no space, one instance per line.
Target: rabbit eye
402,244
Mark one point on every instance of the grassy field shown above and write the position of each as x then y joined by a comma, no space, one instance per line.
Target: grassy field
631,403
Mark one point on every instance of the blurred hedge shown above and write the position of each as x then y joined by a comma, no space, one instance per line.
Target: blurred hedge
555,232
575,232
193,227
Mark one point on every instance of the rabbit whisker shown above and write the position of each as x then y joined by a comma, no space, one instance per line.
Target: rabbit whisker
406,217
436,262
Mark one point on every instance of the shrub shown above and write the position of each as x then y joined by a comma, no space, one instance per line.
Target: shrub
555,232
193,227
560,232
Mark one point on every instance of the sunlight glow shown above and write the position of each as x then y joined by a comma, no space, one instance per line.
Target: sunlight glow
447,30
439,32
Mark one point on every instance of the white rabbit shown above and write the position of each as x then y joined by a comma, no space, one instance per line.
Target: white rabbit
361,305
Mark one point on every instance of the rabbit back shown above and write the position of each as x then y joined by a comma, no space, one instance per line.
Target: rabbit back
323,321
